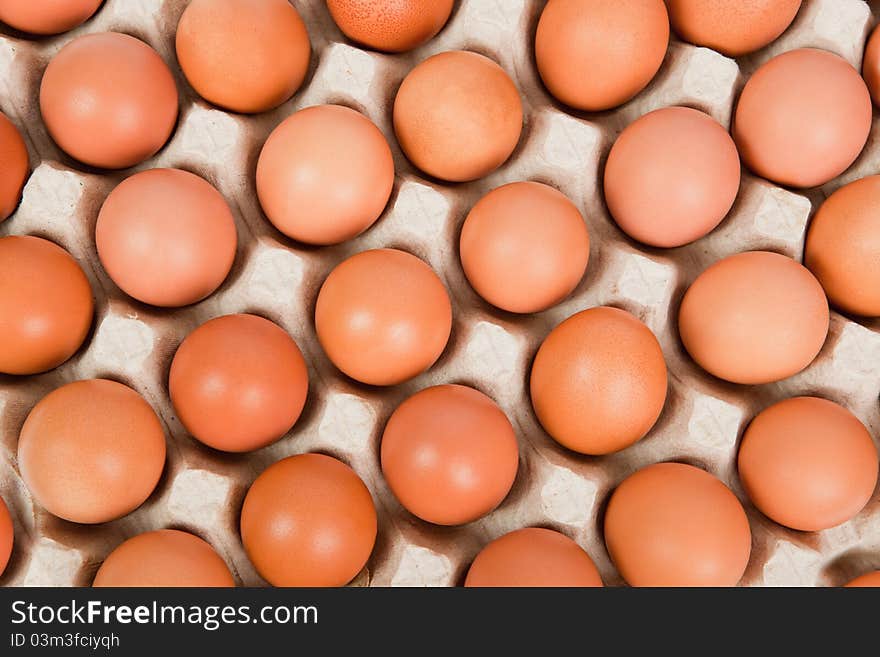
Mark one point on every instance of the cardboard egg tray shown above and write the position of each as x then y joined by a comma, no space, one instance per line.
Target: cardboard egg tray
202,490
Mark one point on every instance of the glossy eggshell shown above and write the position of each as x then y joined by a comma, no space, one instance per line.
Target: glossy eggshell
390,25
325,175
671,177
166,558
843,247
597,54
383,316
166,237
46,17
13,166
46,305
802,118
91,451
671,524
108,100
732,27
754,317
533,557
808,463
238,383
457,116
243,55
524,247
449,454
871,580
308,520
598,382
6,536
871,65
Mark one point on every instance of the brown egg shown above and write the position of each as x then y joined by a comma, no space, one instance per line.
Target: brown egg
843,247
166,237
671,524
91,451
524,247
238,383
871,65
47,16
390,25
13,166
308,520
108,100
449,454
867,580
533,557
594,54
46,305
243,55
383,316
671,177
457,116
808,463
754,317
325,175
732,27
6,536
167,558
802,118
598,382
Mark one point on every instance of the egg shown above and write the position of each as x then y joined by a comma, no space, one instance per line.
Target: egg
597,54
671,177
383,316
166,558
754,317
44,17
6,536
390,25
449,454
672,524
108,100
802,118
808,463
325,175
871,65
13,166
867,580
91,451
166,237
238,383
308,520
598,381
843,247
457,116
533,557
46,305
732,27
524,247
247,56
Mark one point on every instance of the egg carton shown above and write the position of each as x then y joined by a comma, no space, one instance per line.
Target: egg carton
202,490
